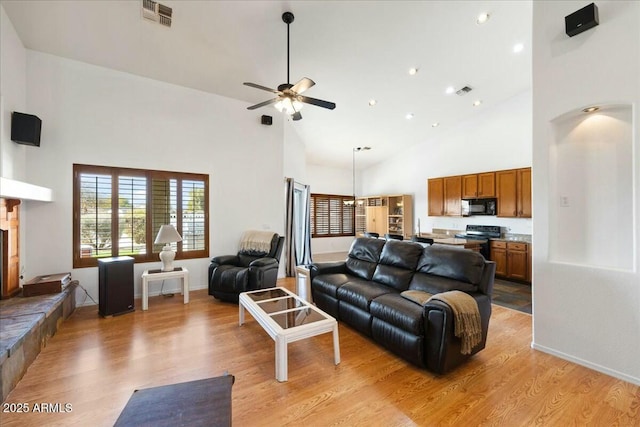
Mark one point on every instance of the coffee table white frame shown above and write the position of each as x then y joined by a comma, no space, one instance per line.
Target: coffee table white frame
163,275
283,337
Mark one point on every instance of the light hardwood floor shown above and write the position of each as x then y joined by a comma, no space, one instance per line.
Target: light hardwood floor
95,364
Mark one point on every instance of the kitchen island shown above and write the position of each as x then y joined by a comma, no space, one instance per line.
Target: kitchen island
444,239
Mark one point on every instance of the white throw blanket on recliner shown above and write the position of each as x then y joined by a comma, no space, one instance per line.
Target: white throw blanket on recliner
256,241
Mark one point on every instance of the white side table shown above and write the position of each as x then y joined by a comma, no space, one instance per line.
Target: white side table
303,283
153,275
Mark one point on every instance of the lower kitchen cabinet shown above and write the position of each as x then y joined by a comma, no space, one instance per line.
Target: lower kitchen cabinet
512,259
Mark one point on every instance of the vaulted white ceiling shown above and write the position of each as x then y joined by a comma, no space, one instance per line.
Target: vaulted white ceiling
354,51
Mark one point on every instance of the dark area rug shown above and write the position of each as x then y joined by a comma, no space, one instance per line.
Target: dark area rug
195,403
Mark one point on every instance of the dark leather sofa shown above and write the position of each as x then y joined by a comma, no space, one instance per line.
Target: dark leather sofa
364,291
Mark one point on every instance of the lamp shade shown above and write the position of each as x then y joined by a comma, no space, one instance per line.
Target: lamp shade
167,234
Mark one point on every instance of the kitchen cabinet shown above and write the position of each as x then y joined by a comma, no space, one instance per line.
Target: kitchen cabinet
513,260
453,196
513,190
435,196
499,255
523,192
376,214
478,186
517,261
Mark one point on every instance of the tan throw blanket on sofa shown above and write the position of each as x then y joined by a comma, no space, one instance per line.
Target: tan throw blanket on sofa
466,317
256,241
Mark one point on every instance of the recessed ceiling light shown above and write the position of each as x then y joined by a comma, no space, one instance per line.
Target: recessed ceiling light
372,102
518,47
590,109
435,125
409,116
450,90
413,71
482,18
476,103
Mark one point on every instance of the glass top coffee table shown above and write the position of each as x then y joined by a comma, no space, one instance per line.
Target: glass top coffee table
287,318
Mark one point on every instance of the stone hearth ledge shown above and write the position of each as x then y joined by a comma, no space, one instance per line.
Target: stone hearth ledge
26,323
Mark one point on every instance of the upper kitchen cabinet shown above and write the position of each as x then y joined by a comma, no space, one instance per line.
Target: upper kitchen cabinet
435,196
453,196
445,196
523,193
513,190
478,186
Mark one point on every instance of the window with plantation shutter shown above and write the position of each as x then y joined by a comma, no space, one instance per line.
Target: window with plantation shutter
118,212
331,215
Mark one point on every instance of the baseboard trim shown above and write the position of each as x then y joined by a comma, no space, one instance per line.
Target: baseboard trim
88,302
587,364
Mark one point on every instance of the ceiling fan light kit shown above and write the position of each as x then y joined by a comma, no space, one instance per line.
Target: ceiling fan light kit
289,99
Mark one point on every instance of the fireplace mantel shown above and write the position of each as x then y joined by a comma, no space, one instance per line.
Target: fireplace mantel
13,189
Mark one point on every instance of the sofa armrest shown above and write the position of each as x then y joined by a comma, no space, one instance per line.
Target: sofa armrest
264,262
442,352
226,260
318,268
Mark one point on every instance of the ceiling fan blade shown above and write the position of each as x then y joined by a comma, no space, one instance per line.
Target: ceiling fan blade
302,85
261,87
262,104
296,116
318,102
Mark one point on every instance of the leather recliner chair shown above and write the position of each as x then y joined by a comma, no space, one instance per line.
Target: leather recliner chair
229,275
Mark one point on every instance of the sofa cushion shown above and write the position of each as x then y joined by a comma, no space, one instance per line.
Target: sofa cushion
360,292
329,283
394,277
398,311
401,254
435,284
364,256
458,264
398,261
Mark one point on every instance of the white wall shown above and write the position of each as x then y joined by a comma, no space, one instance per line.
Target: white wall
94,115
295,164
497,139
581,312
13,97
13,92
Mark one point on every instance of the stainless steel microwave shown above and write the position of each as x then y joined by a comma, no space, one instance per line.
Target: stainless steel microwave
472,207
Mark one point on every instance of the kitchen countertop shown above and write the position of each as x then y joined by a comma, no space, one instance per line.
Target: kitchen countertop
449,234
524,238
457,242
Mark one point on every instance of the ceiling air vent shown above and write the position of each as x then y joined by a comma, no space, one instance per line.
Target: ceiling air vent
465,90
156,12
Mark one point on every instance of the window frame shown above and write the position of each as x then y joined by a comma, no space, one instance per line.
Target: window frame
149,175
332,197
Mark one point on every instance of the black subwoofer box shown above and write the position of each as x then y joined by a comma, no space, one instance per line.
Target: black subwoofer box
115,285
25,129
581,20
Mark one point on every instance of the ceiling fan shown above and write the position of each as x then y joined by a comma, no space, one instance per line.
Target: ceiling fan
289,97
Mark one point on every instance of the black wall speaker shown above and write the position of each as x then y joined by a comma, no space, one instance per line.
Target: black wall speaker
266,120
25,129
581,20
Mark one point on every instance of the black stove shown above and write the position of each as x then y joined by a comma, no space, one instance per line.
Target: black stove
481,232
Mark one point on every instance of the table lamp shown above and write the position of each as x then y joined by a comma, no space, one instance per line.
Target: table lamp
167,235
